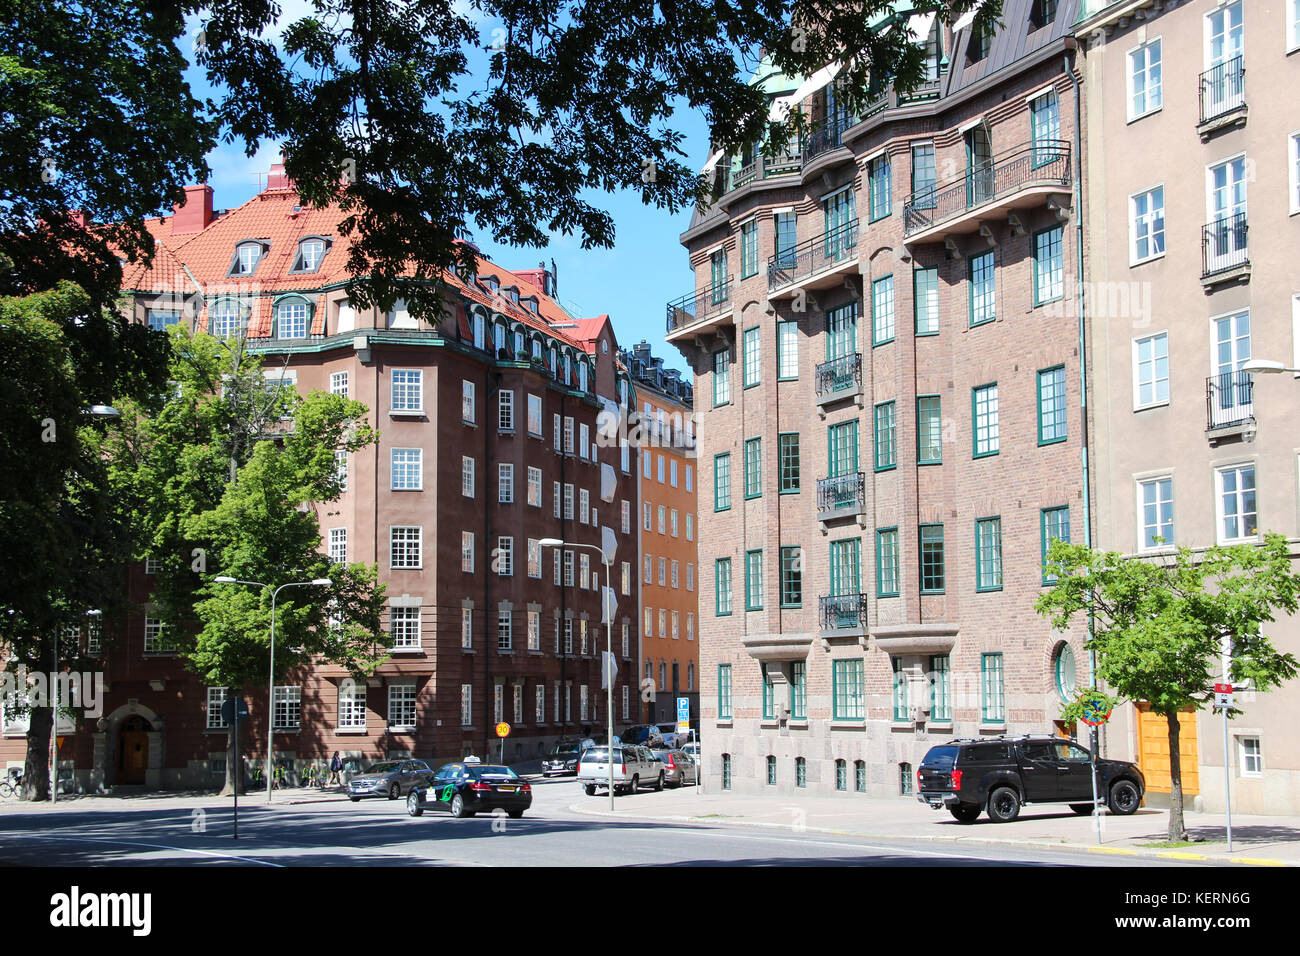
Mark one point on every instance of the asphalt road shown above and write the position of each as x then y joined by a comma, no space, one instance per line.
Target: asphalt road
378,832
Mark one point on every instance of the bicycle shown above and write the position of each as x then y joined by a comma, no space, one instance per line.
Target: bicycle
11,785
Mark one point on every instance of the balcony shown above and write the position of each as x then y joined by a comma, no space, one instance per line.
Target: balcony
839,379
700,311
1222,90
765,167
843,615
1017,179
1224,255
1230,407
815,263
827,136
842,497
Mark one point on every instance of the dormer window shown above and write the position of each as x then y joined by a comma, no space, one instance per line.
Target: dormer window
310,253
247,256
480,331
582,376
492,283
519,342
498,337
291,318
537,349
530,303
512,294
227,318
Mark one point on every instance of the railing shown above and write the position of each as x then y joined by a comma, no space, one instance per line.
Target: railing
812,255
843,611
1045,163
684,311
1222,89
843,374
1223,245
827,136
765,167
1229,399
847,492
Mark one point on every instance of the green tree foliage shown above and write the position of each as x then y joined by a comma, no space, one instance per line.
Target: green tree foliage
1163,628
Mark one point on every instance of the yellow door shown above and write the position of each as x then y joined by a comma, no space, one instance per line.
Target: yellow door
1153,750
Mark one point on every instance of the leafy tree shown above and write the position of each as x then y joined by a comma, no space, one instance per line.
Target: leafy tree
220,482
1164,628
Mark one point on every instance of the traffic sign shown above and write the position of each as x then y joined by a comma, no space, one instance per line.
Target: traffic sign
683,715
58,742
228,711
503,729
1223,695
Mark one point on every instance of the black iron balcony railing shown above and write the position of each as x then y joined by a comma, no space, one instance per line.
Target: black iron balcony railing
1229,399
843,611
1222,89
830,248
846,493
697,305
827,135
1223,245
1045,163
765,167
843,374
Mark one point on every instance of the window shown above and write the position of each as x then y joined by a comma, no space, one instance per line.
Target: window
984,416
771,771
721,377
751,357
841,775
841,224
722,481
661,461
568,502
842,444
988,554
992,707
798,690
505,635
1045,127
1147,225
1293,25
341,469
929,430
1151,371
940,688
466,628
584,506
626,515
1055,526
880,187
1156,513
842,331
159,320
719,281
407,390
467,476
1250,758
724,691
404,626
672,521
726,771
662,517
535,487
924,175
352,706
749,249
310,253
1144,86
754,580
584,569
885,440
925,301
1238,520
977,48
690,527
1065,673
882,310
534,558
753,467
932,559
800,772
584,440
228,318
247,256
466,705
848,700
860,776
504,559
690,476
784,239
1041,14
1051,405
788,462
722,586
339,383
887,559
1293,145
1049,266
846,576
787,350
216,697
902,704
291,319
406,467
983,307
404,547
568,434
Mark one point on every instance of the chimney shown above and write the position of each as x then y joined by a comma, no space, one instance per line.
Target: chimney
195,213
277,178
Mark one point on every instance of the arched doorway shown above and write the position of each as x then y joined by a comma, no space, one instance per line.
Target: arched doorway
133,750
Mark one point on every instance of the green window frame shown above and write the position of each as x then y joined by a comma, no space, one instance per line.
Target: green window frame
988,554
753,468
841,775
929,430
722,481
842,444
933,570
887,562
791,576
901,697
771,771
880,187
992,691
846,567
985,437
721,377
882,310
722,587
983,291
925,301
841,331
798,690
940,688
784,238
724,691
1049,265
769,705
754,580
1054,524
726,771
718,277
1051,405
860,776
885,436
787,350
749,249
1045,127
800,772
848,696
788,462
751,356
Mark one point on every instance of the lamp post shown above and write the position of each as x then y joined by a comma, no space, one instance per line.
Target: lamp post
270,692
1266,367
609,650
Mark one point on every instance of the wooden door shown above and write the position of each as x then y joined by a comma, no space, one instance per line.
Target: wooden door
1153,750
133,751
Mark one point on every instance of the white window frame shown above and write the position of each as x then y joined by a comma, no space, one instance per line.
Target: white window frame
466,476
467,705
1146,67
535,558
419,547
468,414
339,383
466,628
1157,401
1139,484
400,619
1133,258
506,411
1243,756
505,633
1293,26
505,483
505,556
1218,502
415,388
216,697
535,415
394,467
534,625
1293,166
402,697
467,552
352,706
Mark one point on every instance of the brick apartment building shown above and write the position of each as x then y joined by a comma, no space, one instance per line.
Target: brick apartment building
488,426
1193,218
888,368
669,571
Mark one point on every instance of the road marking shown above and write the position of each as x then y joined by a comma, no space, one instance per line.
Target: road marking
1118,851
152,846
1182,856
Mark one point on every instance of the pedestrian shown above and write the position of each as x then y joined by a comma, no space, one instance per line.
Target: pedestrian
336,767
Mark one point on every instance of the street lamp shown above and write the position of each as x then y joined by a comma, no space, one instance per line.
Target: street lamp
1265,367
609,650
270,693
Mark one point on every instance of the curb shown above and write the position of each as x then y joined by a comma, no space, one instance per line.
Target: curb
987,841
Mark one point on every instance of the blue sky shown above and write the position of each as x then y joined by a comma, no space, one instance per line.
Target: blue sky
631,282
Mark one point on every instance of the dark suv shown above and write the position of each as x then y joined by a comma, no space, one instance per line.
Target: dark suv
1001,774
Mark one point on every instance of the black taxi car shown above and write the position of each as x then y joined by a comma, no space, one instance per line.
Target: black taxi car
469,787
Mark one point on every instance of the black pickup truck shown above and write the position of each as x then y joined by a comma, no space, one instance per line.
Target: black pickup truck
1001,774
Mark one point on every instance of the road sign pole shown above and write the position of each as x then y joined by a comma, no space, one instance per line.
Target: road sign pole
1227,779
239,769
1096,810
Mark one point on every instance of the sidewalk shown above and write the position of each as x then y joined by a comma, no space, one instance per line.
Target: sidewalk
1256,840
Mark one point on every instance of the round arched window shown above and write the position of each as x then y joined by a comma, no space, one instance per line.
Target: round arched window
1064,669
291,317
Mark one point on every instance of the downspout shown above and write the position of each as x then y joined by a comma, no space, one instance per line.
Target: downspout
489,697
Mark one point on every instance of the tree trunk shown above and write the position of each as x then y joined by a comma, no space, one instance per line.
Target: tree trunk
234,768
36,767
1177,829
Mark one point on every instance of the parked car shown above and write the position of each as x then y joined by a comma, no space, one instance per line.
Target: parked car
668,733
638,734
466,788
563,758
1002,774
632,767
692,750
679,768
388,778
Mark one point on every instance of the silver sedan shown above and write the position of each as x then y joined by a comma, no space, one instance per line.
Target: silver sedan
679,767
